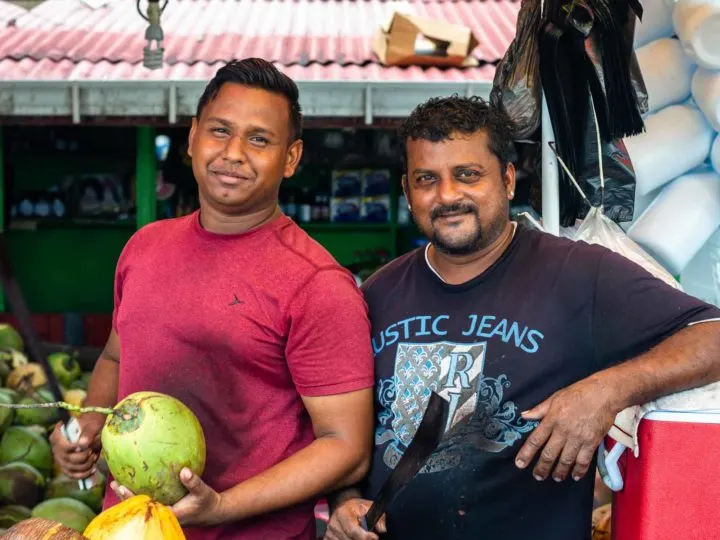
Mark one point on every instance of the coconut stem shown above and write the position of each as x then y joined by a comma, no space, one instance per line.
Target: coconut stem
58,405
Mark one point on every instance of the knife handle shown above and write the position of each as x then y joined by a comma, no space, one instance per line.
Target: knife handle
71,431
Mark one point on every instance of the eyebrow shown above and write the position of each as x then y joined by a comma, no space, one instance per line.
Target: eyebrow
251,128
456,167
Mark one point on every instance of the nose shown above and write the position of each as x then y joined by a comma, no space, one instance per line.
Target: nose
448,192
234,150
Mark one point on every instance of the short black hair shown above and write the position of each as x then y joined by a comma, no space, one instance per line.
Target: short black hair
257,73
438,118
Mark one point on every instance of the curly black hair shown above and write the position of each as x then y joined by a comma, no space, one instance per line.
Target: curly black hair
257,73
438,118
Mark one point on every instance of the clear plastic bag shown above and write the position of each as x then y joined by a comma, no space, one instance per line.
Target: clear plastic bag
599,229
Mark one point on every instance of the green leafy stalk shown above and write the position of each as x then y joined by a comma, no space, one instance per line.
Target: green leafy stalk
59,405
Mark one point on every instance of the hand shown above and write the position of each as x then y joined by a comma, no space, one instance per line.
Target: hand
77,460
201,506
345,522
574,422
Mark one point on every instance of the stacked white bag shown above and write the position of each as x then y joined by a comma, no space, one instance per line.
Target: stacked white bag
677,158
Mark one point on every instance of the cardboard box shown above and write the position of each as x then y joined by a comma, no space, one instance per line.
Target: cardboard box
410,40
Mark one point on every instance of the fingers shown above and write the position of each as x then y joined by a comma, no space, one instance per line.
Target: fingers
381,526
192,481
538,412
345,522
583,461
121,492
548,456
566,460
533,444
74,460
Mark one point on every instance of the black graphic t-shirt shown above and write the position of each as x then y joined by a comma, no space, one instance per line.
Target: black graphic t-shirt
548,313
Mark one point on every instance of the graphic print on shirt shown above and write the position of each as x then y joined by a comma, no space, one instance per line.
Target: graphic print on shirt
456,372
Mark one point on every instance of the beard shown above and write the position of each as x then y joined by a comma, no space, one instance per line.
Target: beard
462,244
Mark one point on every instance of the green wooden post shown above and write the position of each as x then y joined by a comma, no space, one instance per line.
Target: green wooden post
2,203
145,173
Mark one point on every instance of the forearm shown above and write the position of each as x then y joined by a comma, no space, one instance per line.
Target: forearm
328,464
686,360
103,387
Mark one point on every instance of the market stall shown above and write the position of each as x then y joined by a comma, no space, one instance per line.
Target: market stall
80,109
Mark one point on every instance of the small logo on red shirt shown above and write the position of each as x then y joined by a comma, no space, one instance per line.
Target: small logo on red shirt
236,301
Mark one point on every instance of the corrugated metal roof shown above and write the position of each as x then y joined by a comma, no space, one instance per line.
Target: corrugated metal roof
314,39
9,12
28,69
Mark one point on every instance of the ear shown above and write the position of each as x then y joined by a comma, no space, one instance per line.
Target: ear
404,183
294,154
509,181
191,136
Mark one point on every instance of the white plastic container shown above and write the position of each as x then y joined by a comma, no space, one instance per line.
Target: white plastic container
715,154
676,140
706,93
667,72
656,22
697,24
680,220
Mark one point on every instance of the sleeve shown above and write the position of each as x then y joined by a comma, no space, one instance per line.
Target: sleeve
328,348
633,311
120,271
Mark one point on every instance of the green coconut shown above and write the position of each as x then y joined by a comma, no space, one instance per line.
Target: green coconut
6,415
67,511
83,383
42,417
63,486
12,514
26,445
149,440
65,367
21,484
9,337
13,394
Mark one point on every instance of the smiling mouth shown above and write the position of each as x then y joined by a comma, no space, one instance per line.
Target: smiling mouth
229,178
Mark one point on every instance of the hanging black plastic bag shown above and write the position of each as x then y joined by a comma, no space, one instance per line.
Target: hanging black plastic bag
516,87
616,195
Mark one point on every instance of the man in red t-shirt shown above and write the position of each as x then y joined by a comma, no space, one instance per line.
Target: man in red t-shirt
242,316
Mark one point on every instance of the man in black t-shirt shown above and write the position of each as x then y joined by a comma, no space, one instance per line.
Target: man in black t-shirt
536,341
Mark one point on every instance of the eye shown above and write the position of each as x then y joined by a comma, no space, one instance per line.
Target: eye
467,174
424,179
219,131
259,141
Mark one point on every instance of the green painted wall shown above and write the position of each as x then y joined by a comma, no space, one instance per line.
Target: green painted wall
67,270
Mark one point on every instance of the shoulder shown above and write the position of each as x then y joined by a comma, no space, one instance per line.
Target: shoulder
549,253
307,264
153,235
301,249
384,280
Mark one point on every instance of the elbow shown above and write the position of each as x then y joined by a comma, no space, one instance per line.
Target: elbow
359,466
361,469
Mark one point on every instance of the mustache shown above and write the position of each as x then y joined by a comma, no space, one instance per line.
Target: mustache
228,172
455,208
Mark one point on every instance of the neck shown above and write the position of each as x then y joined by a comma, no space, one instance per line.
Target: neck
458,269
218,222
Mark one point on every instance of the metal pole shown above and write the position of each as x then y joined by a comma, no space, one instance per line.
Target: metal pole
145,174
549,171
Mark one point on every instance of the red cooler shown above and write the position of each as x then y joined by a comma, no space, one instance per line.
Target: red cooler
672,491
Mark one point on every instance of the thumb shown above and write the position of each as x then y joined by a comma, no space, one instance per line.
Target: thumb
192,481
539,411
381,526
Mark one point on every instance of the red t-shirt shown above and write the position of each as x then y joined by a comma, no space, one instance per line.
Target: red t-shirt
238,327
